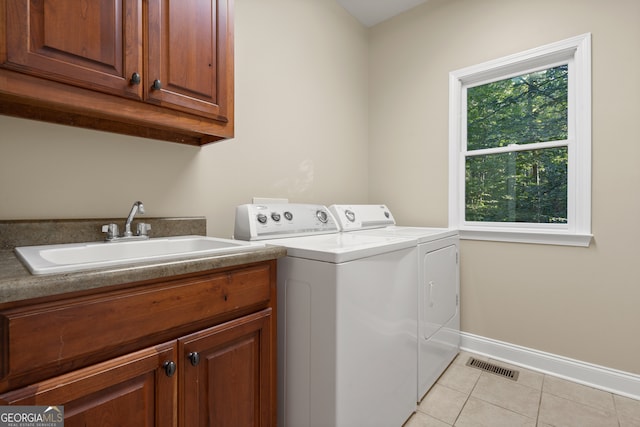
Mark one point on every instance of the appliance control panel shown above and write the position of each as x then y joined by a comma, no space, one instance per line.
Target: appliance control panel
276,221
362,217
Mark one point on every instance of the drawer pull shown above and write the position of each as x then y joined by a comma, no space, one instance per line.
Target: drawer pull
135,79
169,368
194,357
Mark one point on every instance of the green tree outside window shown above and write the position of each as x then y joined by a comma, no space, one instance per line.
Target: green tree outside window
517,184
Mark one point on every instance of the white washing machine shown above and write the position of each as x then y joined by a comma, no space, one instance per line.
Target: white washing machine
438,288
346,319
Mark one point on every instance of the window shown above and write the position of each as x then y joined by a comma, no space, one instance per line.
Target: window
520,147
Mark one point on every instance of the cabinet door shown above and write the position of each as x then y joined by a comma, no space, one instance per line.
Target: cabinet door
129,391
188,49
228,383
95,44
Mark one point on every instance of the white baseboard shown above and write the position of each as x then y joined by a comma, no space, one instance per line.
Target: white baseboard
600,377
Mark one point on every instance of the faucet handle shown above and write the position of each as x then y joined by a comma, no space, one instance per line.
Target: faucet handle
111,230
143,228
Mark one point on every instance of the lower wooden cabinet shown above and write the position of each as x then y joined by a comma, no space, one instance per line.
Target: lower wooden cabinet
218,372
220,376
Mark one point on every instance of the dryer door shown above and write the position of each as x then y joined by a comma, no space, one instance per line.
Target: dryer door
439,290
439,315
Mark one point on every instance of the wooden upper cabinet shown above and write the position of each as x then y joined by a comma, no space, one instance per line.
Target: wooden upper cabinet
96,44
160,69
186,70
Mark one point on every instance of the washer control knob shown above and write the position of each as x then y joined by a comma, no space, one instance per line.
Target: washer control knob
262,218
275,216
288,215
322,216
351,216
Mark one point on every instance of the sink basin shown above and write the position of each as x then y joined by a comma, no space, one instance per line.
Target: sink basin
48,259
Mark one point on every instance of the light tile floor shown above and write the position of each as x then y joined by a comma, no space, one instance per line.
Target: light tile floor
466,396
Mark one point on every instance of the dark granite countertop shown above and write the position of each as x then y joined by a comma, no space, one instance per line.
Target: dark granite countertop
17,283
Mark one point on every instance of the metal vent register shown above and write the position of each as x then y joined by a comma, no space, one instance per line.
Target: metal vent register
494,369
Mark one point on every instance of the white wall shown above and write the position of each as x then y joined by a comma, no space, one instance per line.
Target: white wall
301,133
576,302
329,112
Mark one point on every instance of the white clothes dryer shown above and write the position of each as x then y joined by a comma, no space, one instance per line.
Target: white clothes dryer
438,288
346,319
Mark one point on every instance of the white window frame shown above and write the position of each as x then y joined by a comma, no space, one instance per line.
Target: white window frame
576,52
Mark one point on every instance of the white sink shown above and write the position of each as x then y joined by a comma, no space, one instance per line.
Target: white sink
48,259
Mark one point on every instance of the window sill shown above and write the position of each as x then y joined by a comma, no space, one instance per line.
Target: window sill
527,236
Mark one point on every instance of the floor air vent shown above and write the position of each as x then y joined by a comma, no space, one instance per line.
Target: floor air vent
494,369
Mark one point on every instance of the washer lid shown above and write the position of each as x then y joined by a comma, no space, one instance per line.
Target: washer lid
421,234
342,247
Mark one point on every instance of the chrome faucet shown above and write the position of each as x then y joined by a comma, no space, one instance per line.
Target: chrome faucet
141,234
137,207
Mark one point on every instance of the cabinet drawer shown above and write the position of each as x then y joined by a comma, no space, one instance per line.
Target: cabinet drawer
63,335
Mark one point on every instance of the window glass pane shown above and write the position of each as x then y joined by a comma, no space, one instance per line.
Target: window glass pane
524,109
523,186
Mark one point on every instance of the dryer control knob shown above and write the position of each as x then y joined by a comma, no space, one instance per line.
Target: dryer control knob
322,216
275,216
262,218
288,215
351,216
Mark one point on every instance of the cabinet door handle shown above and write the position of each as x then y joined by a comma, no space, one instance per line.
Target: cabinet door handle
157,84
194,357
135,79
169,368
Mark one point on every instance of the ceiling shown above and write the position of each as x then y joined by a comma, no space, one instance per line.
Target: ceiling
372,12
